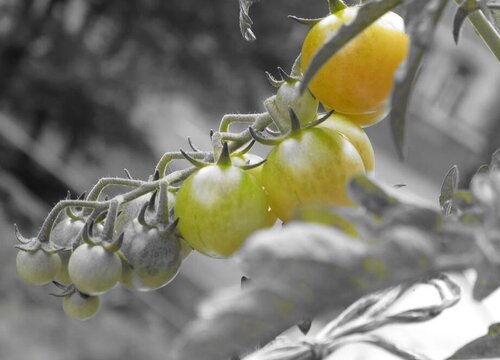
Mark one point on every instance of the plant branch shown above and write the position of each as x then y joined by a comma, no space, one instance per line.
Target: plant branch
486,30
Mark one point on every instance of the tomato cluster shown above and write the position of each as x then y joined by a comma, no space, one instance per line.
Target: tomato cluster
141,242
146,256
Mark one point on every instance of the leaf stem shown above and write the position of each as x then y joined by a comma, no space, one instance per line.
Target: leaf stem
486,31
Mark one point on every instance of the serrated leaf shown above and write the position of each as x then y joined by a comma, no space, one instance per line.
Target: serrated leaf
486,347
369,195
463,11
449,186
366,15
296,273
421,33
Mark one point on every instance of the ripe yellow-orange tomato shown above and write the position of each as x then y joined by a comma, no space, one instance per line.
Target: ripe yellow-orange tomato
357,79
355,135
368,119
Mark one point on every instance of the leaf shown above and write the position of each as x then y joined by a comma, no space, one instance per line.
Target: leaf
296,273
421,32
371,196
488,281
352,222
486,347
495,161
449,186
418,217
245,20
463,11
367,14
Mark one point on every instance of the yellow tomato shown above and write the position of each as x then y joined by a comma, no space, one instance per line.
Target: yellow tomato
357,79
355,135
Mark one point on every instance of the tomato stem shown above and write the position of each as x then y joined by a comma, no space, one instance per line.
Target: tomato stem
105,182
162,210
109,224
279,121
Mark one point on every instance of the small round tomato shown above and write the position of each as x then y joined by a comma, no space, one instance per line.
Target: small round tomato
153,257
80,306
37,267
94,269
357,79
311,166
218,207
304,105
65,233
355,135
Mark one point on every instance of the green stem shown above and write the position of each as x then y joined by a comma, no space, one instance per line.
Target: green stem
44,233
109,225
229,119
486,31
161,167
104,182
336,5
281,123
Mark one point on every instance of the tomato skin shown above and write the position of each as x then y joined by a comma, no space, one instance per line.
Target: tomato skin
65,233
312,166
93,269
153,258
304,105
355,135
79,306
368,119
218,207
37,267
357,79
249,159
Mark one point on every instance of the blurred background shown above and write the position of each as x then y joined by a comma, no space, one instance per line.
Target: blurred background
90,87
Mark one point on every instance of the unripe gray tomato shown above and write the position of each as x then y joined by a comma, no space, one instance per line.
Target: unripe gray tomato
65,234
80,306
37,267
93,269
153,257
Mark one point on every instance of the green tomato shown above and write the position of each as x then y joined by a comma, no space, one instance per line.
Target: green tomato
80,306
37,267
153,257
304,105
218,207
93,269
312,166
250,159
